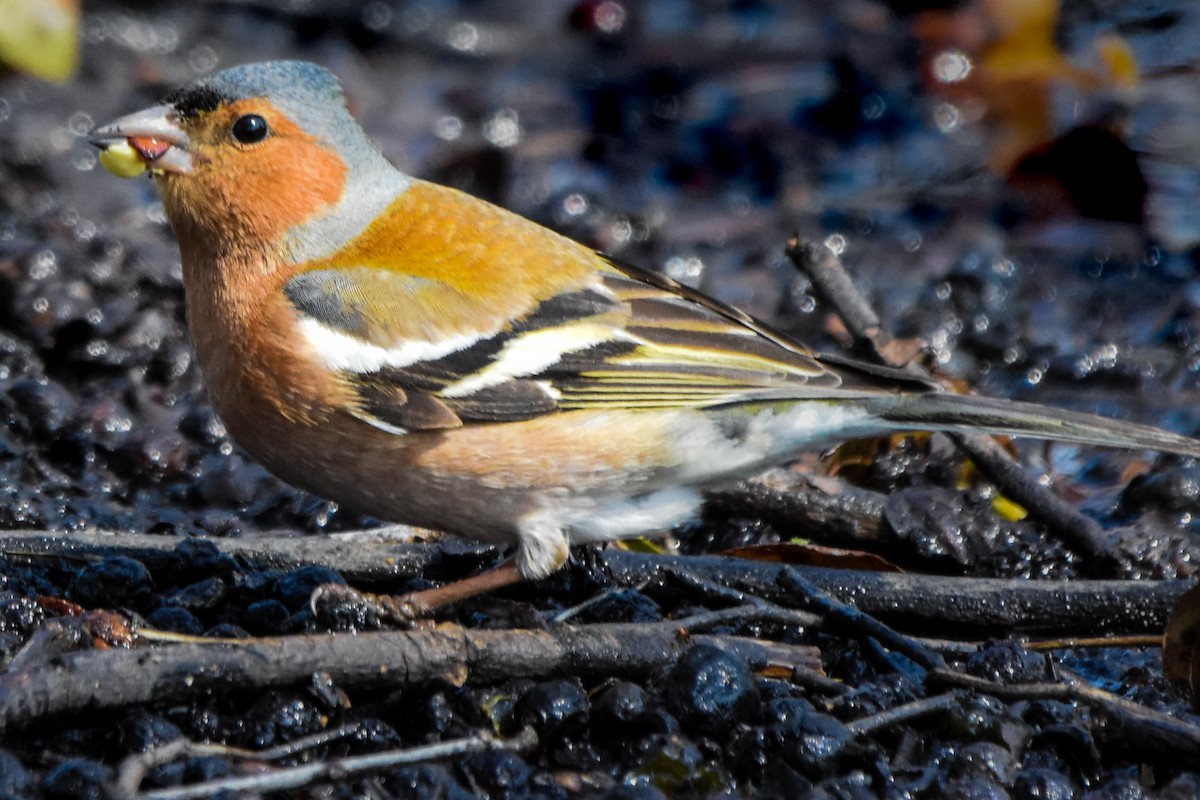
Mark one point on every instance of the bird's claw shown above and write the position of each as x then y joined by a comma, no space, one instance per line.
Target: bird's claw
337,601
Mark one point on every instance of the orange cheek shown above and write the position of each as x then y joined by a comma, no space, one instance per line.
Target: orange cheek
263,193
253,195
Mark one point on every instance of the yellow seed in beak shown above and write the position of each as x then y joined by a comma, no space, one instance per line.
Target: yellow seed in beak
122,160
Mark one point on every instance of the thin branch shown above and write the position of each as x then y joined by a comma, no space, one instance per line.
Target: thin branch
842,616
449,653
342,768
1154,730
936,604
134,768
904,713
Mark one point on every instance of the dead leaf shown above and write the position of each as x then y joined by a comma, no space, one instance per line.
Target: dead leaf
814,555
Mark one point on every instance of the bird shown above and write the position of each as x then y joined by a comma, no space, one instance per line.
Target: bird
426,357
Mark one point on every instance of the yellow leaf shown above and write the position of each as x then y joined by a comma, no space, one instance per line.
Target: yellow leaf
40,37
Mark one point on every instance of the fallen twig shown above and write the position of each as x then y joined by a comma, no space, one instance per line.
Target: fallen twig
837,614
943,606
134,768
924,707
174,672
341,768
826,510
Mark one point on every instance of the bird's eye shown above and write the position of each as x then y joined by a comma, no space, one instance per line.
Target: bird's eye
249,129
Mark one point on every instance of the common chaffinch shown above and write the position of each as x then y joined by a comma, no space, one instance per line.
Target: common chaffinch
425,357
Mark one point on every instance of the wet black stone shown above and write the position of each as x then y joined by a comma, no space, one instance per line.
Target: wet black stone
1008,662
427,710
623,605
203,595
295,587
227,630
78,779
279,718
48,407
641,791
20,615
870,697
1043,784
991,761
712,689
373,735
425,781
1122,787
141,731
116,582
176,620
974,787
497,773
265,617
200,558
855,785
821,741
615,708
555,709
15,780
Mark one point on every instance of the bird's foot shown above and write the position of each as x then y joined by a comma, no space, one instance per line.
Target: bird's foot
348,607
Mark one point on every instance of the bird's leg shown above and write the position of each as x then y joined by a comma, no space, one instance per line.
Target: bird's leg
406,609
542,548
423,603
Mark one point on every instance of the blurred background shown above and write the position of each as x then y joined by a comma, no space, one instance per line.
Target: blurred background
1014,181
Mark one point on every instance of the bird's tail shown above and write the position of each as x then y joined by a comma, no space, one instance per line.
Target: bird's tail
966,413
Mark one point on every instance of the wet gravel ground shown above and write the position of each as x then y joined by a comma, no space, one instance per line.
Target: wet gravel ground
688,137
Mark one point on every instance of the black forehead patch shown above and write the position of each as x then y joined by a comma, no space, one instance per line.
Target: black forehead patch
193,100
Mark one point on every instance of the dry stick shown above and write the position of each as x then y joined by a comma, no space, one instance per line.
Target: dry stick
341,768
380,659
972,606
830,280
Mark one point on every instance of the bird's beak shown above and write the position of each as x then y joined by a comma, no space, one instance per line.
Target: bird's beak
148,139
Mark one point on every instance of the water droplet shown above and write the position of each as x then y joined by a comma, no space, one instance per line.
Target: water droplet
575,204
43,265
203,59
873,106
80,123
609,17
951,66
448,128
377,15
685,269
946,117
463,36
621,231
503,128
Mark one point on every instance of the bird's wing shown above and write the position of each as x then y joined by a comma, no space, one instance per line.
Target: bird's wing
625,339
